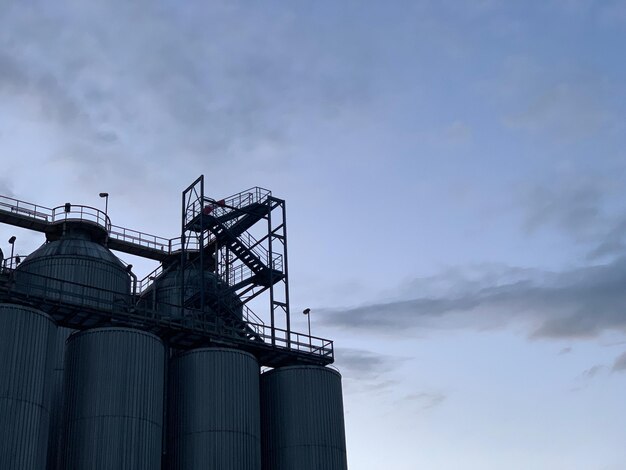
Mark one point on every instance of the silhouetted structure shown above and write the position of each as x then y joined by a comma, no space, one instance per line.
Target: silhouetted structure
101,370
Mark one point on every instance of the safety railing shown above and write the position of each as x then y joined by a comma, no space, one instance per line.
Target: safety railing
296,341
146,282
12,262
123,307
239,200
142,239
252,319
223,207
71,212
273,260
238,273
26,209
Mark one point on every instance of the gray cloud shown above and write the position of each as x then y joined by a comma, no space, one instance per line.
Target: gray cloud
592,372
579,303
139,84
426,400
565,109
5,187
582,208
362,364
613,242
620,363
573,207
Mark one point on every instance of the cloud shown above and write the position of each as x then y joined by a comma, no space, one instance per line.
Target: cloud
579,303
572,206
364,365
592,372
5,187
613,241
584,208
566,109
426,401
558,101
620,363
140,85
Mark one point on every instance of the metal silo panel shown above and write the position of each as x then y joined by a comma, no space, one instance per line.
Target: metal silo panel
167,294
26,339
56,393
74,270
113,400
214,416
302,419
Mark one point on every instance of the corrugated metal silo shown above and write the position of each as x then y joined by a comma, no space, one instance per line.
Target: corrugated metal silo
75,269
302,419
168,291
214,416
113,412
26,340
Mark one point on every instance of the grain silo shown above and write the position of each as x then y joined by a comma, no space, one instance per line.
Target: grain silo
26,341
294,395
214,413
114,373
113,407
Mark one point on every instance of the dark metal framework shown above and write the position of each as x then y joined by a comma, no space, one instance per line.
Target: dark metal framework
216,237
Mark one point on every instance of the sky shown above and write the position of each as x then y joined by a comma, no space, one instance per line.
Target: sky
454,174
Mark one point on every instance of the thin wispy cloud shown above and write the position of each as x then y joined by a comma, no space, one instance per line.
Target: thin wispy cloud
427,400
579,303
365,365
620,363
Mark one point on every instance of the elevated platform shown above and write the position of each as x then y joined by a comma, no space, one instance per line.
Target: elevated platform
191,330
216,237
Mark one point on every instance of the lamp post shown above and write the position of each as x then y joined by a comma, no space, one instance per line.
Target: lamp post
12,242
307,312
106,216
106,203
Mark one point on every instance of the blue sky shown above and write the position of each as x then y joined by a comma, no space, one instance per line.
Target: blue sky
454,173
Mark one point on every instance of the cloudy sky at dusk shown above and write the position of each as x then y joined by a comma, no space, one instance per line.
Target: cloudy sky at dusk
455,177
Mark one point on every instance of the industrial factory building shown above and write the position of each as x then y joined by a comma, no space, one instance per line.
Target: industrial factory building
103,370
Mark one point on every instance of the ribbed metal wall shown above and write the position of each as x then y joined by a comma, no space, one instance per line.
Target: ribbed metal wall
26,341
113,400
56,393
77,260
168,291
302,419
214,416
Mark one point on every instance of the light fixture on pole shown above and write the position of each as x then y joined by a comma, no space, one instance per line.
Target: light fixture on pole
106,202
12,242
307,312
106,216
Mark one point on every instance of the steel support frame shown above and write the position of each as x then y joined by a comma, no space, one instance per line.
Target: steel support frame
277,240
192,200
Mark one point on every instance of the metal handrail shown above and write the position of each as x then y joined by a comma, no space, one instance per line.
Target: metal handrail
12,262
166,245
140,238
124,306
148,280
25,208
83,213
237,201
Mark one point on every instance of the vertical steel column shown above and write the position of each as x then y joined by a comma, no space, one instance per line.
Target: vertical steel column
201,247
272,305
286,272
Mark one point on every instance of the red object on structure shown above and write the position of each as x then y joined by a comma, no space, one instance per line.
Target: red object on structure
209,207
